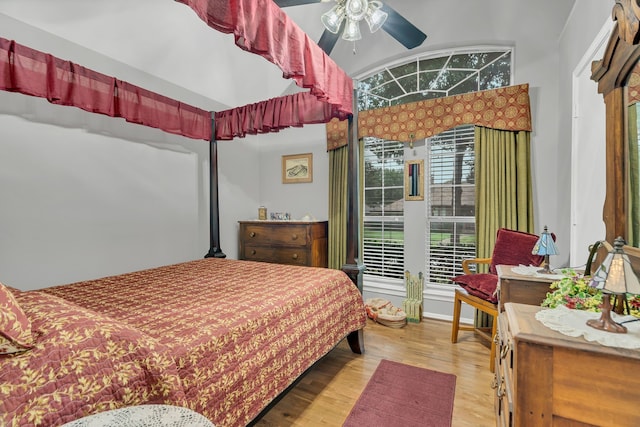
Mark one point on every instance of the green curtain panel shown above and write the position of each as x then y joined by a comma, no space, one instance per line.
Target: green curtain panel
338,164
503,185
503,189
338,204
633,225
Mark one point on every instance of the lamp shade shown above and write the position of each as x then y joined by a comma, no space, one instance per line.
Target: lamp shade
545,244
333,18
375,17
351,30
615,275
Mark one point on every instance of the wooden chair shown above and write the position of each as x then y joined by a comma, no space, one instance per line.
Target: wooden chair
479,289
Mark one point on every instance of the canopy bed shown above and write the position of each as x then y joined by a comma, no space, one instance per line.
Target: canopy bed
220,336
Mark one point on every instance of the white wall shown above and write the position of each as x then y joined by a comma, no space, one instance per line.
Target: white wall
253,178
580,36
85,195
302,198
91,195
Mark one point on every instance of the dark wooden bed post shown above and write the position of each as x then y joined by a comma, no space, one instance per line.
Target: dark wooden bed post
354,266
214,208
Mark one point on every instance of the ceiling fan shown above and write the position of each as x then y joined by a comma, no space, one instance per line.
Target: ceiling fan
349,13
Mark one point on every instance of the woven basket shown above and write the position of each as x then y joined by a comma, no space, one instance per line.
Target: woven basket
382,311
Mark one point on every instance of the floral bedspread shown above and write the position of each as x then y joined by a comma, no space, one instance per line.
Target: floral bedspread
240,332
82,362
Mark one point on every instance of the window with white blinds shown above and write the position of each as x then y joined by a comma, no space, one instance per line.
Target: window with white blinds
449,160
451,203
383,237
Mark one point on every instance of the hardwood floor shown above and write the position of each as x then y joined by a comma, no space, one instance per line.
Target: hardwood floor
328,392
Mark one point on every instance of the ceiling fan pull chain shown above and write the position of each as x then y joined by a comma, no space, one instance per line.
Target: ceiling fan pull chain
354,47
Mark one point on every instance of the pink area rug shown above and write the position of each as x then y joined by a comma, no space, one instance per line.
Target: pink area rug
403,395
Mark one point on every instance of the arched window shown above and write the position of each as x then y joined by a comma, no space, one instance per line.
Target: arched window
450,230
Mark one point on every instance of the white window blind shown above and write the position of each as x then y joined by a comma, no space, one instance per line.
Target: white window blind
451,203
383,237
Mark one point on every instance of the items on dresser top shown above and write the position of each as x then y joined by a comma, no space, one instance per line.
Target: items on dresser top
574,324
285,242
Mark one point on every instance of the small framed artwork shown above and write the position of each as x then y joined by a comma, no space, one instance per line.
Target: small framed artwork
414,180
297,168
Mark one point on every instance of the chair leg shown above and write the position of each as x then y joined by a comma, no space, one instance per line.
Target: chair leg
494,331
455,325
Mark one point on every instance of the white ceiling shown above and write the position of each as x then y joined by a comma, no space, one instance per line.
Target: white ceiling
166,39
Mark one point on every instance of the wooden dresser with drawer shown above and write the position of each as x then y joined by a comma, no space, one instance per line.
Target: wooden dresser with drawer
545,378
285,242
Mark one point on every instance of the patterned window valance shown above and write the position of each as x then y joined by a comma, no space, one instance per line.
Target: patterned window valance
506,108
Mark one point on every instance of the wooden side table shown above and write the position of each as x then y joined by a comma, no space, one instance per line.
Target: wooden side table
520,288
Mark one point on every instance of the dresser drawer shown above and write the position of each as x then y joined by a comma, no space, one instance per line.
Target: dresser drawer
289,235
284,255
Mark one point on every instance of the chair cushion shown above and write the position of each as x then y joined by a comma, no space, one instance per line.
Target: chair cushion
481,285
514,247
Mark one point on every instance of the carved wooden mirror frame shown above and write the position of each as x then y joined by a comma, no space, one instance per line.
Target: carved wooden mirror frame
612,74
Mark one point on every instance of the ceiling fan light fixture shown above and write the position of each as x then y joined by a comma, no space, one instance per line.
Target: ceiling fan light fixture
356,9
333,18
375,17
352,30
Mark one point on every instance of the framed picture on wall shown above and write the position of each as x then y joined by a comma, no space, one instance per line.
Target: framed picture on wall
297,168
414,180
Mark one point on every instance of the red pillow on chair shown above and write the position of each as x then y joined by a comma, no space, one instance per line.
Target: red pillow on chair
481,285
514,248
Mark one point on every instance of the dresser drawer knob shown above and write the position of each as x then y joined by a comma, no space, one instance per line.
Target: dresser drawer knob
252,234
294,256
253,252
294,237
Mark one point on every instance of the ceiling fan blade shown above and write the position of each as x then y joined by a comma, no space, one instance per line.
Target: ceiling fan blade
328,41
401,29
287,3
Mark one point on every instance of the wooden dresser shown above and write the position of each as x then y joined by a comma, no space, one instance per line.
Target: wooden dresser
514,287
545,378
285,242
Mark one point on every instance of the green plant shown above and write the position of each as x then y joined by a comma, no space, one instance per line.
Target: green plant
573,291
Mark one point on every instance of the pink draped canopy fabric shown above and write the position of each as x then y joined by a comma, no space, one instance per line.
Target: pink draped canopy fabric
261,27
35,73
272,115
